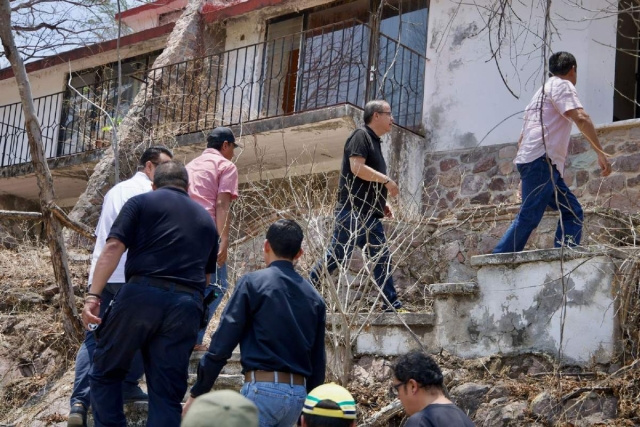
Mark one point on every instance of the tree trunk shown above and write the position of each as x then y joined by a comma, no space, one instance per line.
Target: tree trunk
70,320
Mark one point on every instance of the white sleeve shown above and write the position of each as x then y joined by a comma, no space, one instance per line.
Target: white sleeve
110,209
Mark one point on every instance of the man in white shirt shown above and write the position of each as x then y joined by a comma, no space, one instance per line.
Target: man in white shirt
542,155
113,202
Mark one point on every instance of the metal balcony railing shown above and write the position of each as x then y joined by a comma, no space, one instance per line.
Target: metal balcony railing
336,64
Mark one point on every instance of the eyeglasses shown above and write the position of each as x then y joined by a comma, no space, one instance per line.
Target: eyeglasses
393,389
387,112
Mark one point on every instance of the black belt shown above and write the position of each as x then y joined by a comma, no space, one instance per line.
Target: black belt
167,285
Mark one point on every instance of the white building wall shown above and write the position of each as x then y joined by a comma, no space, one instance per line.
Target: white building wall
52,79
240,88
465,97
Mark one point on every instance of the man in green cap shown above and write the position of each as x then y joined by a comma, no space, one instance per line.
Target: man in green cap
329,405
223,408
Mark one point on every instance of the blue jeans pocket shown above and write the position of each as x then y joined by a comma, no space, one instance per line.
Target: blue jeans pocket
277,403
523,169
272,405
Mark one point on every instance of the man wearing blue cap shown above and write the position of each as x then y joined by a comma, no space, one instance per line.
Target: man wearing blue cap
213,184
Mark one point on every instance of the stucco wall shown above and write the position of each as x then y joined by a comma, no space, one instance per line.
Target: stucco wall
516,307
51,80
465,97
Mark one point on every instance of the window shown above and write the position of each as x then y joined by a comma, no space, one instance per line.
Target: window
335,59
626,86
348,52
83,123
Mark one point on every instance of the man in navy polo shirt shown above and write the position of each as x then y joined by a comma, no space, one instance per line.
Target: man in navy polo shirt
172,249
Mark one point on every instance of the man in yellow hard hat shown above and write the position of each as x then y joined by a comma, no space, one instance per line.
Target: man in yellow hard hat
329,405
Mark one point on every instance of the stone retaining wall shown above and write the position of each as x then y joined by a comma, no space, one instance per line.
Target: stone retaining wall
487,175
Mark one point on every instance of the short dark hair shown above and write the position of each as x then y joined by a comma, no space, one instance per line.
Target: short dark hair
376,106
152,154
171,174
219,136
418,366
560,63
285,237
314,420
214,144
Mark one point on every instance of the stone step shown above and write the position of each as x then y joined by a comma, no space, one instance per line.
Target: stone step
385,319
136,412
230,378
232,367
437,290
224,381
389,334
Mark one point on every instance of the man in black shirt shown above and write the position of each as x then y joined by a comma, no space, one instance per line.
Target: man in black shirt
419,384
362,194
278,319
172,249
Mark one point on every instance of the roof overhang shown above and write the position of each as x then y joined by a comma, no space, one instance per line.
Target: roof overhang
94,49
157,7
214,11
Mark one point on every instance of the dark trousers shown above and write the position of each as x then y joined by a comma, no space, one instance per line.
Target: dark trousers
218,285
163,325
540,183
350,230
80,393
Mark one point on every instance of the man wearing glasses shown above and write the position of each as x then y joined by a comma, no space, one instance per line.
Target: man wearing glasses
213,184
362,197
419,384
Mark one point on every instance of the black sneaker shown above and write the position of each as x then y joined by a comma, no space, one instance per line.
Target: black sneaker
135,394
77,416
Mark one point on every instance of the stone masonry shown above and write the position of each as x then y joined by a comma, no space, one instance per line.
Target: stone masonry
487,175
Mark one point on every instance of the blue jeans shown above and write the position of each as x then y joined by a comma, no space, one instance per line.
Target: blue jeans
80,393
279,404
350,230
540,182
220,285
163,325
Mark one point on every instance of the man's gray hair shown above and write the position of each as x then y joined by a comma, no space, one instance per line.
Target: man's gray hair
376,106
171,174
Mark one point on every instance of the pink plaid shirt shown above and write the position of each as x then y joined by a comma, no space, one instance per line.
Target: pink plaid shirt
209,175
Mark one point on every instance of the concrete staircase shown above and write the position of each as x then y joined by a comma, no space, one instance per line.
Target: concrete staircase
384,334
230,378
513,304
510,305
391,334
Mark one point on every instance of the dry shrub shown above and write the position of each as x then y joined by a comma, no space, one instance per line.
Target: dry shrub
34,350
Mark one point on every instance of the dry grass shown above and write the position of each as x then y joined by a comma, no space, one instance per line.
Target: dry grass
34,351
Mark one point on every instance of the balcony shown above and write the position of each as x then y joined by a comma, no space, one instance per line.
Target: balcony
337,67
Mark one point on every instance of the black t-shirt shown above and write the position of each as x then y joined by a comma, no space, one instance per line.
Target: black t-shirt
440,415
363,197
169,236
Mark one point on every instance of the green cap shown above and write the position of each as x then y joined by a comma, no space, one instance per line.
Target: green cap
222,408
